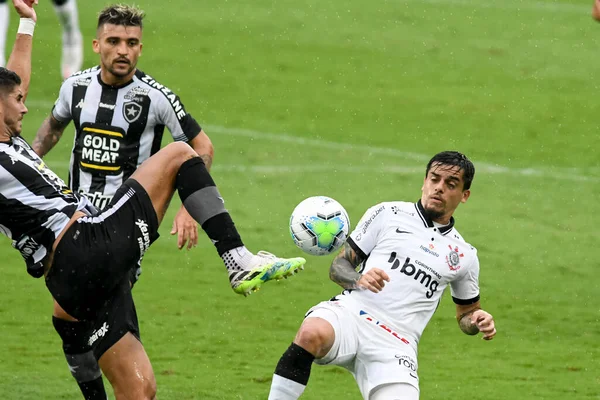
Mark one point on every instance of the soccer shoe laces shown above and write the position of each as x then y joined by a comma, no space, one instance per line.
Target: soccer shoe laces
266,254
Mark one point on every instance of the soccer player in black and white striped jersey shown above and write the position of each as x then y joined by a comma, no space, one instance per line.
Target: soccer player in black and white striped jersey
119,114
86,255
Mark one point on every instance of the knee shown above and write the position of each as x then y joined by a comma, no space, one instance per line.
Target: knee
315,338
147,389
142,389
180,150
150,389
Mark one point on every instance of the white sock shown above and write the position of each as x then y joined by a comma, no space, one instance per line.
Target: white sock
67,14
238,259
285,389
4,19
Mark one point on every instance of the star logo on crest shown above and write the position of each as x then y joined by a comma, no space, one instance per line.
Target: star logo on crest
131,111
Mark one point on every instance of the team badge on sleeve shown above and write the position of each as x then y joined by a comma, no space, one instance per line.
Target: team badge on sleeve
453,258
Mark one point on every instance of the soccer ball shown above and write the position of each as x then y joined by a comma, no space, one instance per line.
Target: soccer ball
319,225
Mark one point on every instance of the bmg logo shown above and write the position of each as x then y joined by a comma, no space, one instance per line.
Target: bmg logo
418,274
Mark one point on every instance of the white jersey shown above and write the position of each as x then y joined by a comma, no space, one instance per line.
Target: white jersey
117,128
421,258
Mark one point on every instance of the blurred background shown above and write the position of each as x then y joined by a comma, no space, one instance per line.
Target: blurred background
350,99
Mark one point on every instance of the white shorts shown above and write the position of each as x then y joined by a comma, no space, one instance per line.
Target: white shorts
375,354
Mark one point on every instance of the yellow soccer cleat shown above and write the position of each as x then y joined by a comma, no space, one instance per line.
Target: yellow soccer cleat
266,267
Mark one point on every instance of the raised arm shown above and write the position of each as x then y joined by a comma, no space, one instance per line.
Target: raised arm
20,57
48,135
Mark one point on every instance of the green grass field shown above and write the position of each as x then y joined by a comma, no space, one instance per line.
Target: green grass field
350,99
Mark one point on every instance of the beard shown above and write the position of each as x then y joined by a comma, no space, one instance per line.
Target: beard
434,214
120,74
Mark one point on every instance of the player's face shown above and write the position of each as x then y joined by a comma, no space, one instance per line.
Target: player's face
13,109
119,48
442,191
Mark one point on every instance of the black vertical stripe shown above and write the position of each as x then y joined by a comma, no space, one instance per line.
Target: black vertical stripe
76,107
133,137
104,116
159,130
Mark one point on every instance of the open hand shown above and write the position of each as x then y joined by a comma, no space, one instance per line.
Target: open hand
186,229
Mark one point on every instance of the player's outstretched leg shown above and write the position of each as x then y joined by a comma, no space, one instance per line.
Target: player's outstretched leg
72,40
177,166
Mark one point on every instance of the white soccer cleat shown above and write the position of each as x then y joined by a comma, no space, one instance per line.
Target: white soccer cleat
264,267
72,53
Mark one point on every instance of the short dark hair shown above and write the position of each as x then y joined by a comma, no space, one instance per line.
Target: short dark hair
8,80
456,159
121,14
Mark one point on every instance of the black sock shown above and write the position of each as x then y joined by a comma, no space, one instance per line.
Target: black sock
80,357
93,390
202,200
295,364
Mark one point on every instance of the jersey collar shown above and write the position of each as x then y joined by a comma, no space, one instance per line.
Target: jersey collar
106,85
429,223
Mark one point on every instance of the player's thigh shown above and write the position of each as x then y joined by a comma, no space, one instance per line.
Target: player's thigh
157,174
337,336
383,359
128,369
115,319
395,391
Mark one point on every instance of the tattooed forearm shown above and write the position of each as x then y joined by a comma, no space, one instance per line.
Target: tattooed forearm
47,136
343,268
207,158
466,325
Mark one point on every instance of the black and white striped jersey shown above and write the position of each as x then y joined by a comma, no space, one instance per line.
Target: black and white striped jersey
35,204
117,128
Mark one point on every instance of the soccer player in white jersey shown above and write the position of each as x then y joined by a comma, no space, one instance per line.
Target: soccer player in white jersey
86,255
72,41
394,268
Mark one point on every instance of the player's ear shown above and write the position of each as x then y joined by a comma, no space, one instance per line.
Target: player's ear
465,196
141,46
96,46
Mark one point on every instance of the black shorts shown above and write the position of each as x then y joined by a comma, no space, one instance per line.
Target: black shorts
96,253
116,317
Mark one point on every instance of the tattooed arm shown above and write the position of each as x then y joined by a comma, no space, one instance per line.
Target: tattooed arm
48,135
343,268
203,146
343,272
472,320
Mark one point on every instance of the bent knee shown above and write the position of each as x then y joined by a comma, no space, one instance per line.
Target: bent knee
179,149
143,389
316,336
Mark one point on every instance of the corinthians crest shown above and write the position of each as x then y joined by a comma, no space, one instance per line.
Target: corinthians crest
453,258
131,111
